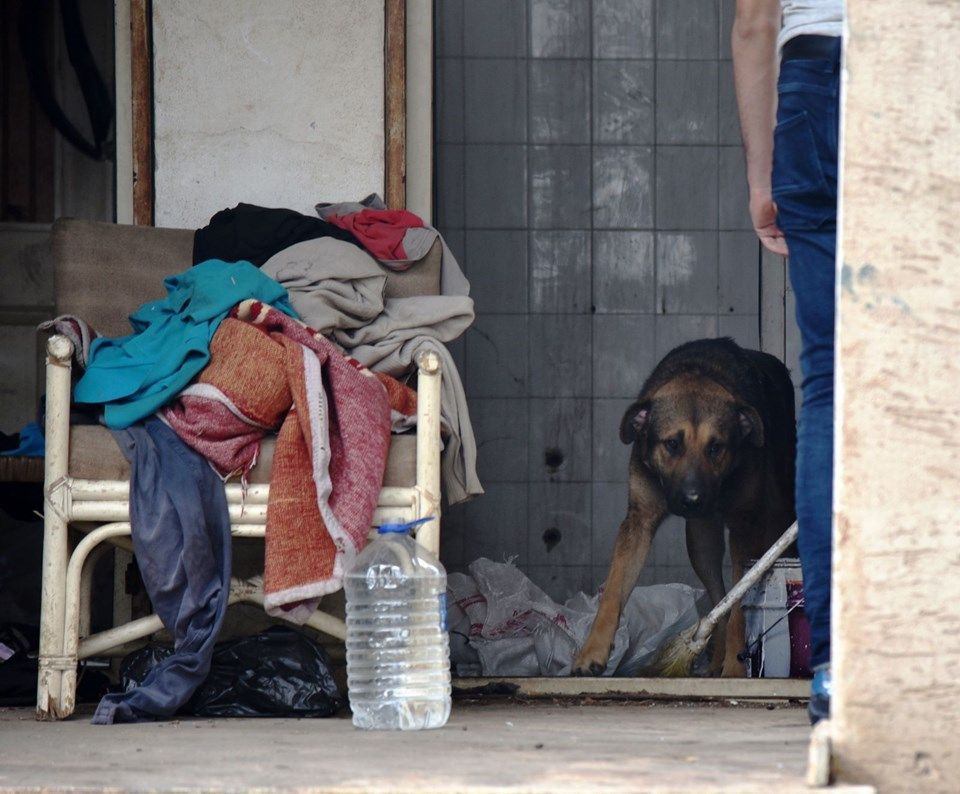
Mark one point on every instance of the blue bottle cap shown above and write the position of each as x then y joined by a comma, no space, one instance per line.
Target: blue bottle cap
383,529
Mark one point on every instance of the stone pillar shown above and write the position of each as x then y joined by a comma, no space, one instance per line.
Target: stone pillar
897,548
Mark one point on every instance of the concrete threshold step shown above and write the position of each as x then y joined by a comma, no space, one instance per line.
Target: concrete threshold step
711,689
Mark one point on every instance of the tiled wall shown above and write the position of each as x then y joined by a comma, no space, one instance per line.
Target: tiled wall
590,178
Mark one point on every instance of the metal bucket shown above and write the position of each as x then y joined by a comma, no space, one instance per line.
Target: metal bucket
777,632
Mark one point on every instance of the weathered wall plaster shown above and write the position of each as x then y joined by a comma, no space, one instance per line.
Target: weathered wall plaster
897,548
278,103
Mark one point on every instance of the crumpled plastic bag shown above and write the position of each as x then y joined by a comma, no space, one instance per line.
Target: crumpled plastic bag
502,624
276,673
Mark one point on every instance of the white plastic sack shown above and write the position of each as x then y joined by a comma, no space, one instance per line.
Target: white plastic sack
502,624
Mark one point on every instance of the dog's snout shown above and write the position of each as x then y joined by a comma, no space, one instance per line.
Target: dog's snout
692,498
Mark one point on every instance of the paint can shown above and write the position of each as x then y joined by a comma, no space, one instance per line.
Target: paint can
777,631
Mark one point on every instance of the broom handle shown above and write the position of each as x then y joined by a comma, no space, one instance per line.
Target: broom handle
748,580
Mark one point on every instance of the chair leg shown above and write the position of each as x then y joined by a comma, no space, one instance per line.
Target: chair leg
53,595
55,517
81,564
81,561
428,449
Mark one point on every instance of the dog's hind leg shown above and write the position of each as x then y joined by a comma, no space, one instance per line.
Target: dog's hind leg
629,554
705,547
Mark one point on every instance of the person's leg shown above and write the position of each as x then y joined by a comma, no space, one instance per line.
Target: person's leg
804,182
812,277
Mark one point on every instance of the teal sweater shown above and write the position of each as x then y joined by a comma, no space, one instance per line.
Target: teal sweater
135,375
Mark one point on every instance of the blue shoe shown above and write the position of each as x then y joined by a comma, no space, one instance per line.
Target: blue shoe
820,690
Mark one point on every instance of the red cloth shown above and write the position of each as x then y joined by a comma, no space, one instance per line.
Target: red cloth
380,231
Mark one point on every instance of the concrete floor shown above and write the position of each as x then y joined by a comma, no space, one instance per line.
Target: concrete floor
504,746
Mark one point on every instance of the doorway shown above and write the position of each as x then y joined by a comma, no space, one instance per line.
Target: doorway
590,178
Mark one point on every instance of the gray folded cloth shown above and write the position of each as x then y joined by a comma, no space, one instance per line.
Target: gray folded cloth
338,290
333,284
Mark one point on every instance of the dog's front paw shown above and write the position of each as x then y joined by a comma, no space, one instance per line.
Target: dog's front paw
591,660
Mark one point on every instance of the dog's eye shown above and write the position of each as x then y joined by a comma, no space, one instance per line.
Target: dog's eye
713,449
672,445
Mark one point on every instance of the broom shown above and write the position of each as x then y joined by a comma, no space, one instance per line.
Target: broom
677,656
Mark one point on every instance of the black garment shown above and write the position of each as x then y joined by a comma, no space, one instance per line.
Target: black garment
254,234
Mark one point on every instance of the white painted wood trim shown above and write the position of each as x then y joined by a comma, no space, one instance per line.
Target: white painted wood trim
773,318
420,108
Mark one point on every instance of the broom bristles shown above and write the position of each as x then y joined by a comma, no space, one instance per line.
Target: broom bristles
676,657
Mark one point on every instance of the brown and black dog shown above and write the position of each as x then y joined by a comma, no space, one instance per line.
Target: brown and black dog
713,434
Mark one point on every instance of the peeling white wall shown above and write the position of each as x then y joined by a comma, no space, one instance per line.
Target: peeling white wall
275,103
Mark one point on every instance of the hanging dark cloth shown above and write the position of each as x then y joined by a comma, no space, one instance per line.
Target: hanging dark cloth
96,96
254,234
181,539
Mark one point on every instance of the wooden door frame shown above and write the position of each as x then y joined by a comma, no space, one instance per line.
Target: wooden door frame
141,90
395,103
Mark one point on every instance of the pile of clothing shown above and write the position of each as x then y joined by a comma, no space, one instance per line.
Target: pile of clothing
281,326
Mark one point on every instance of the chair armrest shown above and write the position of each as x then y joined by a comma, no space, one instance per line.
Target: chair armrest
60,351
57,425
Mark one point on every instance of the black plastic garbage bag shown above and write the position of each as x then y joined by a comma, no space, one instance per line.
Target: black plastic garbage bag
277,673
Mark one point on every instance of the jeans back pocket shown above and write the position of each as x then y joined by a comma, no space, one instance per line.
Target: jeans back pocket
804,199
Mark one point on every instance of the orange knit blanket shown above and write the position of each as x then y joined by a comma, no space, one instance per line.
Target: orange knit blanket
267,372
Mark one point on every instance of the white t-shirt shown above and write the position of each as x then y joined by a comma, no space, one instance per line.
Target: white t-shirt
810,17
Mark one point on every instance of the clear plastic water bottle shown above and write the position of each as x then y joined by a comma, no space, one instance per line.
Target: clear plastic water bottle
398,651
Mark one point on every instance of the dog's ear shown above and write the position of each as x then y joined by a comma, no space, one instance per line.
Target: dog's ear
751,425
634,421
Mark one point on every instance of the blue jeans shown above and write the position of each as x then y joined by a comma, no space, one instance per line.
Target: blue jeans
805,190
